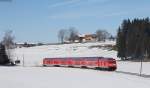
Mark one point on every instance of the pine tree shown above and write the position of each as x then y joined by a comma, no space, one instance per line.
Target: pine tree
120,44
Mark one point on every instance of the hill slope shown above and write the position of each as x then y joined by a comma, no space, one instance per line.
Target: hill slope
34,55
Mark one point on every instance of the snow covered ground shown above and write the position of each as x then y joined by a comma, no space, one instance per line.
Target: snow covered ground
133,67
57,77
34,55
35,76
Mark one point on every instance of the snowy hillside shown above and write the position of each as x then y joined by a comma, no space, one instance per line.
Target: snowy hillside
34,55
35,76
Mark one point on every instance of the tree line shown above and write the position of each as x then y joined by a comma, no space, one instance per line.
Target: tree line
71,34
133,39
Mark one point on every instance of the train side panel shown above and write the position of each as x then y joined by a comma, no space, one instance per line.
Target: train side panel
83,62
107,63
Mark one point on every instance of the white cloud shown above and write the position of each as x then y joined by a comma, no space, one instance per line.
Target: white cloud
85,12
69,2
95,13
77,15
76,2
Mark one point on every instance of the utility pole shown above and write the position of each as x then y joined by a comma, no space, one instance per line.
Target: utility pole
141,67
23,61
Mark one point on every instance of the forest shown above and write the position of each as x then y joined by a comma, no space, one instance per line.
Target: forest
133,39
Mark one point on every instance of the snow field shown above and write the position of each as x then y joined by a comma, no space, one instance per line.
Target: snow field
34,55
56,77
32,75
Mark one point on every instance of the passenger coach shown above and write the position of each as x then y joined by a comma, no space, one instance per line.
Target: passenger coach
82,62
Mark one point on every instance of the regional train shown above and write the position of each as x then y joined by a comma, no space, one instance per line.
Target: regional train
101,63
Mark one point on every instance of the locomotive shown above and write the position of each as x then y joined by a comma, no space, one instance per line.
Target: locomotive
100,63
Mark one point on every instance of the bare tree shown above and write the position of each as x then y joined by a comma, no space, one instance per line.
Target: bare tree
102,35
8,39
3,56
8,42
62,35
73,34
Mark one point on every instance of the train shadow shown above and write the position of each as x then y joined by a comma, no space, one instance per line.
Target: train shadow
135,74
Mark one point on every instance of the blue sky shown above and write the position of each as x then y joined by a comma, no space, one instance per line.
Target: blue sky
40,20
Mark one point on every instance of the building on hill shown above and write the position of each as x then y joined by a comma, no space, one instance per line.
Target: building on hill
87,38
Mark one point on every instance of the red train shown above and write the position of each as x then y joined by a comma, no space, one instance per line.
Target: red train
83,62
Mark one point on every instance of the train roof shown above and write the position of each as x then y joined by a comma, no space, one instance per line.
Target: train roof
79,58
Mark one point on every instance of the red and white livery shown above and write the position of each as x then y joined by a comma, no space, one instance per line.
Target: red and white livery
82,62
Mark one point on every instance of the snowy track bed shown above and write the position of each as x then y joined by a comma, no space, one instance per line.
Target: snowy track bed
55,77
133,68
